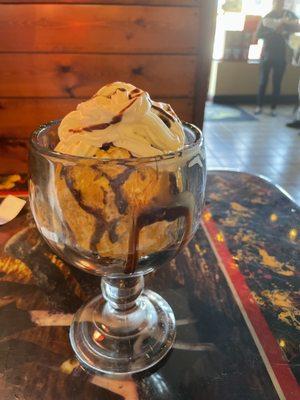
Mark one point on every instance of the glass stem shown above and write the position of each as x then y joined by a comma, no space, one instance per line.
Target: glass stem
122,293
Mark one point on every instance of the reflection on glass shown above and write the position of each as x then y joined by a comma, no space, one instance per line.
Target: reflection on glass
120,219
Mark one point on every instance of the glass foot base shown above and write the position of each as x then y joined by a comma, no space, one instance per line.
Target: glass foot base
113,341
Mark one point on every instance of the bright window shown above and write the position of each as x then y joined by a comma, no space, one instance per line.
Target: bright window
257,7
233,19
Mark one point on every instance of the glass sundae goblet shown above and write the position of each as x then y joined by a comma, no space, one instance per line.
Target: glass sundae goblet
121,219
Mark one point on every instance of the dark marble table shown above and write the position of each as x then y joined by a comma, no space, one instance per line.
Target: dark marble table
234,290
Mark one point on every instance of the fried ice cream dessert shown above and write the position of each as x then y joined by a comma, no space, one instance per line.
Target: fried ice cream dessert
115,200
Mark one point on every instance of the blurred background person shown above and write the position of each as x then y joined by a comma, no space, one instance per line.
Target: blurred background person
275,29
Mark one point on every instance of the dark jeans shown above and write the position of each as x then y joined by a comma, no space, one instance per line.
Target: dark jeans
278,67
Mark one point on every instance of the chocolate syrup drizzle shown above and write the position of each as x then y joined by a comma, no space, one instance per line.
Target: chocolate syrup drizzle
173,190
165,116
102,126
164,113
118,89
101,224
134,94
116,186
148,217
140,218
153,214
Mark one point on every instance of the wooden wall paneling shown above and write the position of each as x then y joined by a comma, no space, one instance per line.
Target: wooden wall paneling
183,3
13,156
207,21
19,117
56,55
98,28
81,75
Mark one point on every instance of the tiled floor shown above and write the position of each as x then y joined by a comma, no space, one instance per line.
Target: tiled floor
265,147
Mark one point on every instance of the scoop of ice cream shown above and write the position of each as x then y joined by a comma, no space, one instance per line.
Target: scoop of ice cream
99,203
125,117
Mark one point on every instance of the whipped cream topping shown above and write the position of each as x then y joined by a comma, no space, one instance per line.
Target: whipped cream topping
121,114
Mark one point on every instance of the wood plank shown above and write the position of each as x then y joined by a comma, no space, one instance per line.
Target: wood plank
207,22
81,75
98,28
14,156
123,2
19,117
